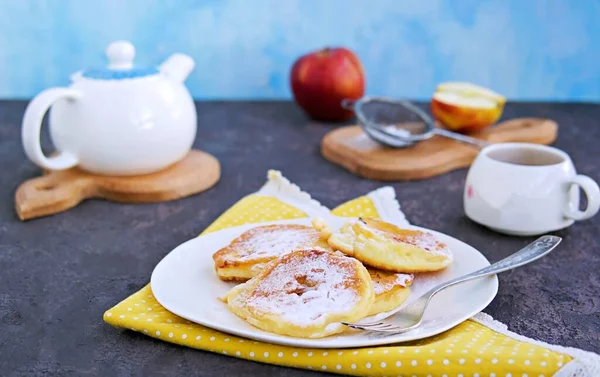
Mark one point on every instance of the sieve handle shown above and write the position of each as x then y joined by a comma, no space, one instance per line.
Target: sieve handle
462,138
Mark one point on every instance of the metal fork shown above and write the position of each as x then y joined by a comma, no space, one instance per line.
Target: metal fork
412,316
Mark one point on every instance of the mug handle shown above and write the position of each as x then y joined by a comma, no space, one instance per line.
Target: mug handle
592,191
32,124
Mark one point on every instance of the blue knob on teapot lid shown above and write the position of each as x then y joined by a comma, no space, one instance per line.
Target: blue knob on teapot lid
120,56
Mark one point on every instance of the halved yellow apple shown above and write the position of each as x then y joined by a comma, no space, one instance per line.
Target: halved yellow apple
465,107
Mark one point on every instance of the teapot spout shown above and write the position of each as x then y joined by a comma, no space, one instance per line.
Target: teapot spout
177,67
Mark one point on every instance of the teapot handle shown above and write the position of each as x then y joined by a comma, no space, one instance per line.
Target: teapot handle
32,124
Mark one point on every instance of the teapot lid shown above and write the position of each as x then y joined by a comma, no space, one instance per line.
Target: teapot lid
120,56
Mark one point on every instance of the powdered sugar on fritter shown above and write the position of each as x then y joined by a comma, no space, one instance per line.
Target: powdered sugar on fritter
268,242
303,288
383,284
427,242
418,238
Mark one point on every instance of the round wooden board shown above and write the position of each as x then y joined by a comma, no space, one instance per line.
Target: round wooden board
57,191
352,149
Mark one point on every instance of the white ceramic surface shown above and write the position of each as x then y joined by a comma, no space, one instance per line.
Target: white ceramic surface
116,126
185,283
527,199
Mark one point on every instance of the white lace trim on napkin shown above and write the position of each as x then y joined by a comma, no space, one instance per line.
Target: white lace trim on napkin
388,208
584,363
281,188
384,199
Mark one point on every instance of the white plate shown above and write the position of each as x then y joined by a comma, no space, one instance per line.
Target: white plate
185,283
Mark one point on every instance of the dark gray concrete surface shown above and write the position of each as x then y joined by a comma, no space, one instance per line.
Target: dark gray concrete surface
59,274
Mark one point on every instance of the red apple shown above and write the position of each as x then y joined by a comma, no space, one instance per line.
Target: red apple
320,81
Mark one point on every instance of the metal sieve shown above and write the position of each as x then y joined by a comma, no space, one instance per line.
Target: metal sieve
400,124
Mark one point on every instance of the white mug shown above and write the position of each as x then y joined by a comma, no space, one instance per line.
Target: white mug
527,189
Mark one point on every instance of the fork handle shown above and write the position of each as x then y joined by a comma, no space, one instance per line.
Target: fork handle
529,253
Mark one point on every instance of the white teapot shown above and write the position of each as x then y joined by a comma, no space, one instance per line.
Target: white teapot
119,120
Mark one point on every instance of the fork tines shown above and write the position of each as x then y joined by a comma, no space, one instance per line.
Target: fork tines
377,326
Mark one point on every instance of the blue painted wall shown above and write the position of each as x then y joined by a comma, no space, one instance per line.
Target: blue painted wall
244,49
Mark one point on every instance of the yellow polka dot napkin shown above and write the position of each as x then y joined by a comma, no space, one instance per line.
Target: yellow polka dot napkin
479,347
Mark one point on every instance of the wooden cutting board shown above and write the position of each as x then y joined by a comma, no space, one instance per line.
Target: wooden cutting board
57,191
352,149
